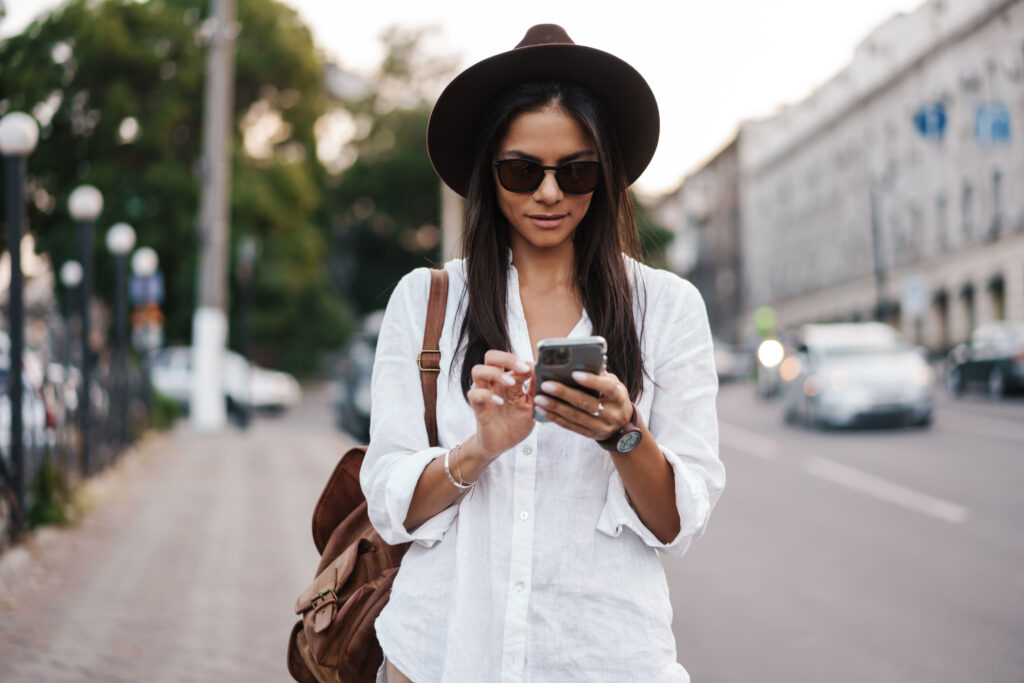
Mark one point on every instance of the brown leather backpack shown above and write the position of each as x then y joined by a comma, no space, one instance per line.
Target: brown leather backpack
335,641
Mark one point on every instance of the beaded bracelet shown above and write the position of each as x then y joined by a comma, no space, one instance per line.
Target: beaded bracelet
448,472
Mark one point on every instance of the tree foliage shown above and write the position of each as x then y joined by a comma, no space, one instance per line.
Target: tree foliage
117,87
385,207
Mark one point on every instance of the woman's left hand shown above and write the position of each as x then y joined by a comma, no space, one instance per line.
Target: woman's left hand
594,417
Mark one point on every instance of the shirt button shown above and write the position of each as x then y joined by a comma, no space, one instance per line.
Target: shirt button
527,449
520,585
524,515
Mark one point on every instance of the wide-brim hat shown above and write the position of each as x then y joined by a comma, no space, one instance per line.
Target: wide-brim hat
546,53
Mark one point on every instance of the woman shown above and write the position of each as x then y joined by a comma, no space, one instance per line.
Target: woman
534,543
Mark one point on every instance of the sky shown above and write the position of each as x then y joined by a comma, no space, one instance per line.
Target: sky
711,64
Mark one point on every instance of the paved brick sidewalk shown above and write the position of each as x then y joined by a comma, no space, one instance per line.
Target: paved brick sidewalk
187,567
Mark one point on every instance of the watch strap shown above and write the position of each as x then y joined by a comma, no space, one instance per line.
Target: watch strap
635,424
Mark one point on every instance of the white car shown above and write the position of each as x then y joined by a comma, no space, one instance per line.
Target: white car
245,385
850,374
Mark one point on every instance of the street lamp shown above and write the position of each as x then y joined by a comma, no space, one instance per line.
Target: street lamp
19,133
85,205
144,262
120,241
71,278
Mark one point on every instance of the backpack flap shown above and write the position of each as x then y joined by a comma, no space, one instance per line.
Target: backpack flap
323,594
340,496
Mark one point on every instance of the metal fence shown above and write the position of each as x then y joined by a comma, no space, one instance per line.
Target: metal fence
60,439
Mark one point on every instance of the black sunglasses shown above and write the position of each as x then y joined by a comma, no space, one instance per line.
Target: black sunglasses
523,175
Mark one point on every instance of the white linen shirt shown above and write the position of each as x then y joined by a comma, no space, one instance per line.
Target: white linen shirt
543,572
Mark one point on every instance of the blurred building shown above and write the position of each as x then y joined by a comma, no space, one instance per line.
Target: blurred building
705,215
898,186
895,190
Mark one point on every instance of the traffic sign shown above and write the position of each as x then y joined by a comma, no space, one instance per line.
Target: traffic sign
930,120
147,288
992,123
913,296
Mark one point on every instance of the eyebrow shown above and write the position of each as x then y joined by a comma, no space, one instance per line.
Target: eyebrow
517,154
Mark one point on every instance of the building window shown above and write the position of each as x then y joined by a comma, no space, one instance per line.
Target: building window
997,293
997,204
916,231
942,222
967,210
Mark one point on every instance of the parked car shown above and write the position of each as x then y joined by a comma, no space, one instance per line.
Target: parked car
350,380
992,360
848,374
246,385
731,362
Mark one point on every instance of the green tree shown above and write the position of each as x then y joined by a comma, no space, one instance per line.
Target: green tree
384,210
117,86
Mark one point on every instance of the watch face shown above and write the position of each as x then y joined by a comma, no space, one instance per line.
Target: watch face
628,441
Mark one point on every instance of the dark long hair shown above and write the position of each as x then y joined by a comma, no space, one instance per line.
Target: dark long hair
606,232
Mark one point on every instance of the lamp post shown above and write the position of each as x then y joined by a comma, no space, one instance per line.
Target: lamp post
248,250
18,136
85,205
120,241
71,278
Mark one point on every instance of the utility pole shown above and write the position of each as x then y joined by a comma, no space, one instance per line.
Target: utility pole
210,323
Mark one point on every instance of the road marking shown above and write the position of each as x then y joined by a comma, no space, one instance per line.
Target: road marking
884,489
748,442
978,426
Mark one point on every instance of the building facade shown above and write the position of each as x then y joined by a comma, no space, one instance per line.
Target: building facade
704,214
895,190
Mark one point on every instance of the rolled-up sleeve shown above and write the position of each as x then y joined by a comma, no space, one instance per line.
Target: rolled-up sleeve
399,448
682,416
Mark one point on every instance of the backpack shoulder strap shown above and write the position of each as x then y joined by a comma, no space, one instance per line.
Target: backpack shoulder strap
429,358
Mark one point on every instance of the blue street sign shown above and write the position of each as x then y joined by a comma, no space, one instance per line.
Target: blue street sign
148,288
992,123
930,120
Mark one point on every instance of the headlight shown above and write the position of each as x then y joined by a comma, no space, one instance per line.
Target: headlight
770,353
790,369
924,375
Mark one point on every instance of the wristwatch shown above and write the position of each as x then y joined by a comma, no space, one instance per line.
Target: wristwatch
627,437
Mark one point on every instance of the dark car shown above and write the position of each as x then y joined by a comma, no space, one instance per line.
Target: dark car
350,381
993,360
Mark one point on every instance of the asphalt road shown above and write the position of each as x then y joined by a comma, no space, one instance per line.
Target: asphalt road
832,556
887,555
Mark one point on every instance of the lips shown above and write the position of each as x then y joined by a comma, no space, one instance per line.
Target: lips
547,220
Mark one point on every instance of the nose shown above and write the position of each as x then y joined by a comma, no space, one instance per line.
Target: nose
548,192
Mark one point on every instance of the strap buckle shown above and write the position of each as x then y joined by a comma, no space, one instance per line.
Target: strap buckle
322,597
419,360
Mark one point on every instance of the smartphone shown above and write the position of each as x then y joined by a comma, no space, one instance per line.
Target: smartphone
558,358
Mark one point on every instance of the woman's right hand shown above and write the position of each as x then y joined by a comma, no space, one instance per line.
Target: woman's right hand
501,399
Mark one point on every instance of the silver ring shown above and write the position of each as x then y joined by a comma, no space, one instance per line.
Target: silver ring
600,409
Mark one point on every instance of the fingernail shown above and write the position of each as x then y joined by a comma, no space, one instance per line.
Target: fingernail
541,400
579,376
540,411
522,367
548,387
508,379
497,400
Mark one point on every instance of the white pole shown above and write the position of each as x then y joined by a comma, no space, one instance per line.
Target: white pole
209,323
